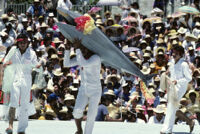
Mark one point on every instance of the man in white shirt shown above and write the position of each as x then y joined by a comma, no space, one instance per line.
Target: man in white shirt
180,75
90,89
18,65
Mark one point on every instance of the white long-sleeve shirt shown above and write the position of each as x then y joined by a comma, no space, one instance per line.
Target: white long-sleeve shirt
21,66
181,73
153,120
89,69
65,5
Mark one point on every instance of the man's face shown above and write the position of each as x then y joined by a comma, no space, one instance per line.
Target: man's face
23,45
176,55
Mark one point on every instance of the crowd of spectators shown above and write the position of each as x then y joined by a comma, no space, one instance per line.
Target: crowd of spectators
146,41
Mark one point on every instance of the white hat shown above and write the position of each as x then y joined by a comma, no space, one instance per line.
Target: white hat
29,29
124,84
24,20
54,56
75,81
159,109
146,55
3,33
57,40
69,97
4,16
36,0
44,25
51,15
145,70
160,90
182,30
152,90
64,110
57,72
163,100
138,61
73,88
110,92
192,91
49,111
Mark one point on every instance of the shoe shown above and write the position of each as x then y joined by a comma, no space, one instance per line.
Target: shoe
192,126
9,131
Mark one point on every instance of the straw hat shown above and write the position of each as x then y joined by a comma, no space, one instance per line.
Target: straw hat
160,41
24,20
152,65
57,72
69,97
72,88
192,91
146,55
160,90
145,70
159,109
163,100
138,61
36,1
49,111
174,42
139,107
51,14
99,21
190,37
151,85
152,90
190,48
98,16
107,13
2,33
12,19
109,77
124,84
4,16
57,40
182,30
2,48
163,69
54,56
197,24
148,49
134,95
63,110
34,87
172,32
44,25
143,42
157,78
109,19
161,49
110,92
29,29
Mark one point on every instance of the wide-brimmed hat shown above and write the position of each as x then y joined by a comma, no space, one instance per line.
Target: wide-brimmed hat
107,13
72,88
109,19
138,61
157,78
51,14
192,91
58,72
109,77
160,41
2,48
148,49
163,100
49,111
57,40
63,110
4,16
139,107
69,97
99,21
163,69
2,33
145,70
110,92
29,29
147,55
159,109
152,90
12,19
182,30
190,48
160,90
134,95
152,65
54,56
34,87
98,16
160,49
190,37
44,25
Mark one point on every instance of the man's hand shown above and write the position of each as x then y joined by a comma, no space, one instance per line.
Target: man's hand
174,82
7,63
77,43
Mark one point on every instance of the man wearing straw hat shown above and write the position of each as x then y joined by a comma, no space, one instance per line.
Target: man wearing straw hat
176,86
90,89
18,65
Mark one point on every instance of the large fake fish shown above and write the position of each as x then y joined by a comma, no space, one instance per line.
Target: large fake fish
99,43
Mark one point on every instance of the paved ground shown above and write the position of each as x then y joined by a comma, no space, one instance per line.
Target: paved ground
68,127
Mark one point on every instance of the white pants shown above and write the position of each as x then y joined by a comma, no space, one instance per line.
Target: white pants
19,98
172,108
91,97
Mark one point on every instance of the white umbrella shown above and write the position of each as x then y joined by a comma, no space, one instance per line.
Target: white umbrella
109,2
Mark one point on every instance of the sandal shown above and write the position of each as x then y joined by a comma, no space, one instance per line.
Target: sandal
9,131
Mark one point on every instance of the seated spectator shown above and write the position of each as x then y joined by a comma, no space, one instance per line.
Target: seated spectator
158,117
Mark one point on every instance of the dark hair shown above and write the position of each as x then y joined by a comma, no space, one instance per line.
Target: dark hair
9,10
23,36
179,49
